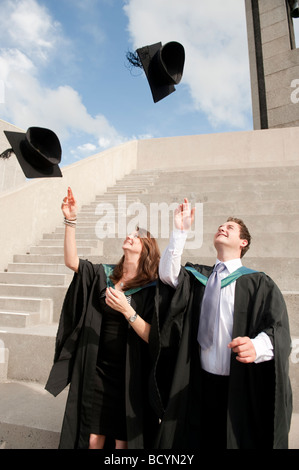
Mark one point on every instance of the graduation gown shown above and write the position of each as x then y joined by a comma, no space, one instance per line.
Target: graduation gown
76,352
259,396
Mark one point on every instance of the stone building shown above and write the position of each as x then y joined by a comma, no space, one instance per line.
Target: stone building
274,62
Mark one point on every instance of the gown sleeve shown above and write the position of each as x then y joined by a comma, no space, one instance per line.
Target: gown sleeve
70,324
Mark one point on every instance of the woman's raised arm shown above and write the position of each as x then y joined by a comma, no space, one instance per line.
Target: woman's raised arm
69,210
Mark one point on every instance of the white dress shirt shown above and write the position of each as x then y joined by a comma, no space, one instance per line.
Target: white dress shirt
216,359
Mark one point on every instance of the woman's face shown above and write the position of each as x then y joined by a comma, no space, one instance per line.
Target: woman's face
133,243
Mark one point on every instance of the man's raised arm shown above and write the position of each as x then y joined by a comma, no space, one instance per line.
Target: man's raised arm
170,263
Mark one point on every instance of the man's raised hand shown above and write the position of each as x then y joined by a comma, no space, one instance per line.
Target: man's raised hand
184,216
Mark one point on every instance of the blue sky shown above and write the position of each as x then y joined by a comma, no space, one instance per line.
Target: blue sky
63,64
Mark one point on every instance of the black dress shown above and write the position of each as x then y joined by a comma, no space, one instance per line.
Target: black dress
109,407
81,339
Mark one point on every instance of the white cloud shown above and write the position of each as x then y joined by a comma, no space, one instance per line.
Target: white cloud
87,148
59,109
14,60
32,40
215,40
26,25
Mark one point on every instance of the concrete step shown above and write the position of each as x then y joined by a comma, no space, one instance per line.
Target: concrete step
146,179
131,182
27,304
38,268
55,293
228,202
84,238
4,357
30,418
18,319
107,197
50,259
34,279
90,218
294,374
58,250
235,208
21,311
38,259
31,351
84,229
177,185
131,186
205,191
256,194
126,188
292,303
223,182
229,174
86,217
200,195
265,224
254,170
117,207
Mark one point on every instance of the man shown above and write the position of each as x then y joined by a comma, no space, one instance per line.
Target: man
232,391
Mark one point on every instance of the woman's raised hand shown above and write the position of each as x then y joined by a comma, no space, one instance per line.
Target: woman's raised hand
69,206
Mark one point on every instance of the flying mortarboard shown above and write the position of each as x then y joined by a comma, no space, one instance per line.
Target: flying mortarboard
38,151
163,66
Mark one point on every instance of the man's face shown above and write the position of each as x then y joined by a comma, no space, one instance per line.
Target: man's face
228,234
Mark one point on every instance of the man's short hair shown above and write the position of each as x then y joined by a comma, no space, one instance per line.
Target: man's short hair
244,233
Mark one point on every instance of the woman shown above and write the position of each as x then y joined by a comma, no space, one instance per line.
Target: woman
101,344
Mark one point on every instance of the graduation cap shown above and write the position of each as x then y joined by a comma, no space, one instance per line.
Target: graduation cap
163,66
38,151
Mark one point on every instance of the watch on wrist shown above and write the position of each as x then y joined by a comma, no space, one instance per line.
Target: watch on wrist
132,318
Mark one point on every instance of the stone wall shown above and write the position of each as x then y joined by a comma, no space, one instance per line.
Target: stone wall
11,174
274,64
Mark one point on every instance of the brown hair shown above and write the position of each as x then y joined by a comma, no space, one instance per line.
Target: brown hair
148,265
244,233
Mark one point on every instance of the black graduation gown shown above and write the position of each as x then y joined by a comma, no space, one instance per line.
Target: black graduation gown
75,359
259,394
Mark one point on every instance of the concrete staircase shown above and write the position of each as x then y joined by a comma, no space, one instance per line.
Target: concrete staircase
33,287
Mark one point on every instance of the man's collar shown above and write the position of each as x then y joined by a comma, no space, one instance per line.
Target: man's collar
232,264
